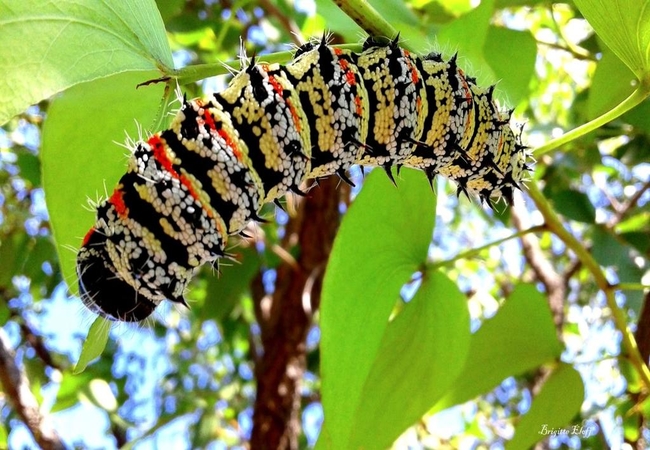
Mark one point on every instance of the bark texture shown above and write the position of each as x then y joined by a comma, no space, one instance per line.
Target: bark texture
285,318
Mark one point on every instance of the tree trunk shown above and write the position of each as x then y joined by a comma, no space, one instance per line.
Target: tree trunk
285,319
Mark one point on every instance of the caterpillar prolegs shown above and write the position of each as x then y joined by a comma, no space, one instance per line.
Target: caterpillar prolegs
189,187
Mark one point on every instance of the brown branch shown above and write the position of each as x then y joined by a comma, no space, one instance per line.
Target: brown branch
554,283
575,54
16,387
36,342
623,210
285,320
119,433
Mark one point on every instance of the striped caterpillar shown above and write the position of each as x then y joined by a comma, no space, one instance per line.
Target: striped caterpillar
189,187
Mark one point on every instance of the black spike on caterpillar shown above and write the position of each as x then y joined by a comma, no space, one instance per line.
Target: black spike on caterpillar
191,186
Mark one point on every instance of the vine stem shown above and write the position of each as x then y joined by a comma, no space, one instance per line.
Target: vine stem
367,18
198,72
630,102
476,251
554,224
632,286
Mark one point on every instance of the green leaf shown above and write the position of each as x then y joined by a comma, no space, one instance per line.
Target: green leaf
637,117
606,249
5,314
519,338
94,344
511,54
69,389
4,436
640,240
631,421
399,13
224,292
574,205
205,430
336,20
13,252
30,167
630,411
169,8
467,35
499,4
48,47
634,384
611,84
556,404
628,272
41,249
422,352
80,157
382,242
609,250
624,25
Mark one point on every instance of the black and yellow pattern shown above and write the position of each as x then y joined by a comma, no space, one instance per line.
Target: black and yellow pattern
189,187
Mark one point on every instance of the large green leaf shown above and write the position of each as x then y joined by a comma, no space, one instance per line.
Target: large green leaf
382,242
80,155
556,404
48,47
422,352
624,25
520,337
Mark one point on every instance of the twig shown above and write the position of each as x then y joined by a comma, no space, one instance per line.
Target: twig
573,52
623,211
471,253
36,342
553,282
16,386
618,315
635,98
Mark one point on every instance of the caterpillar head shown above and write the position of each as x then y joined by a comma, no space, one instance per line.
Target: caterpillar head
101,287
124,271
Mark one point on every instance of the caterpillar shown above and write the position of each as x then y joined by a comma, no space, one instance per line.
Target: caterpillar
191,186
